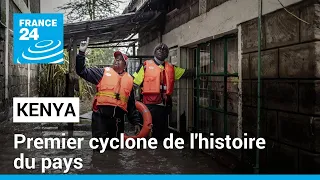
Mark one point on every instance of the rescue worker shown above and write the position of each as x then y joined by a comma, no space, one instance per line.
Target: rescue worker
157,78
114,98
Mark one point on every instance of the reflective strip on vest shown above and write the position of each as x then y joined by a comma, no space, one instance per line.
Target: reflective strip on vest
113,95
162,87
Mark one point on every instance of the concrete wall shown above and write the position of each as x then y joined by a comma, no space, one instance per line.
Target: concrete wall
290,88
148,49
22,79
290,72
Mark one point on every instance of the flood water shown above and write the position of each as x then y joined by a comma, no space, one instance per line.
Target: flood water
159,161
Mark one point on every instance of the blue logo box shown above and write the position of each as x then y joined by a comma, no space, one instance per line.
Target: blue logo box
38,38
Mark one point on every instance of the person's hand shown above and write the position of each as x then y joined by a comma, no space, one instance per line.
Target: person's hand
137,129
84,45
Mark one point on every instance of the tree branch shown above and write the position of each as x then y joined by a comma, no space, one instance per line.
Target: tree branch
79,10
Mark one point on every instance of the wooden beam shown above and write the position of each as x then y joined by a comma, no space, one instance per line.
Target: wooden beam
94,47
107,42
137,14
146,25
143,56
111,42
99,22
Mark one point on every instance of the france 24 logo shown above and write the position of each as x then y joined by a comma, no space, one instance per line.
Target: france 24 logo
38,38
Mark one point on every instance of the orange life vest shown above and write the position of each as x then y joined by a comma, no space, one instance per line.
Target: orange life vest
152,78
114,89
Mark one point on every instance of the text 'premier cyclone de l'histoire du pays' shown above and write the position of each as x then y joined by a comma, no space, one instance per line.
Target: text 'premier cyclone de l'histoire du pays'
197,141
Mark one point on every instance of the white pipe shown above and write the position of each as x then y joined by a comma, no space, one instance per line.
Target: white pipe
28,80
29,64
6,57
187,109
178,92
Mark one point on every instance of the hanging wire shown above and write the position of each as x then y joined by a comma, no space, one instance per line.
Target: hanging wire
292,13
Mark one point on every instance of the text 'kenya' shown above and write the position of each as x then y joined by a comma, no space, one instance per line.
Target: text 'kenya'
50,109
45,110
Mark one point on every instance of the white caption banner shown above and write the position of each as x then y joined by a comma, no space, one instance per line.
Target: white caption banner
46,110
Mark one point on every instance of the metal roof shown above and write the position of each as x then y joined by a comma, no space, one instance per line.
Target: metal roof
110,30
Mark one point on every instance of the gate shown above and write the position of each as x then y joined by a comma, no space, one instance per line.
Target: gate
135,61
216,87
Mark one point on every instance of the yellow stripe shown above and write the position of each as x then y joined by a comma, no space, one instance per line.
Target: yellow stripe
124,99
109,94
112,95
138,77
178,72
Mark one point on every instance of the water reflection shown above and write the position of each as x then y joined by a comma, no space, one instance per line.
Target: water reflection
159,161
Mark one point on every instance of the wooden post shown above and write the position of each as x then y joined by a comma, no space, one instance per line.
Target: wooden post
134,49
72,80
73,70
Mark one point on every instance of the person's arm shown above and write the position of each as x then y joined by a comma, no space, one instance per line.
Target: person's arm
92,75
189,73
138,76
133,113
183,73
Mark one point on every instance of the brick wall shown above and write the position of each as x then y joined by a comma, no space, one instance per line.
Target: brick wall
148,37
35,6
212,4
34,69
289,88
187,10
2,81
17,74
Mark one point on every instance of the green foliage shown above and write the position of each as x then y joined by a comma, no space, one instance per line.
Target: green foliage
100,56
53,78
82,10
96,58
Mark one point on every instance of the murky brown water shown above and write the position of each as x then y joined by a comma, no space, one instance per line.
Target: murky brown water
159,161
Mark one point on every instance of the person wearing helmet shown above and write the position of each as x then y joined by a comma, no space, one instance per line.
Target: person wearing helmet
157,77
114,98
